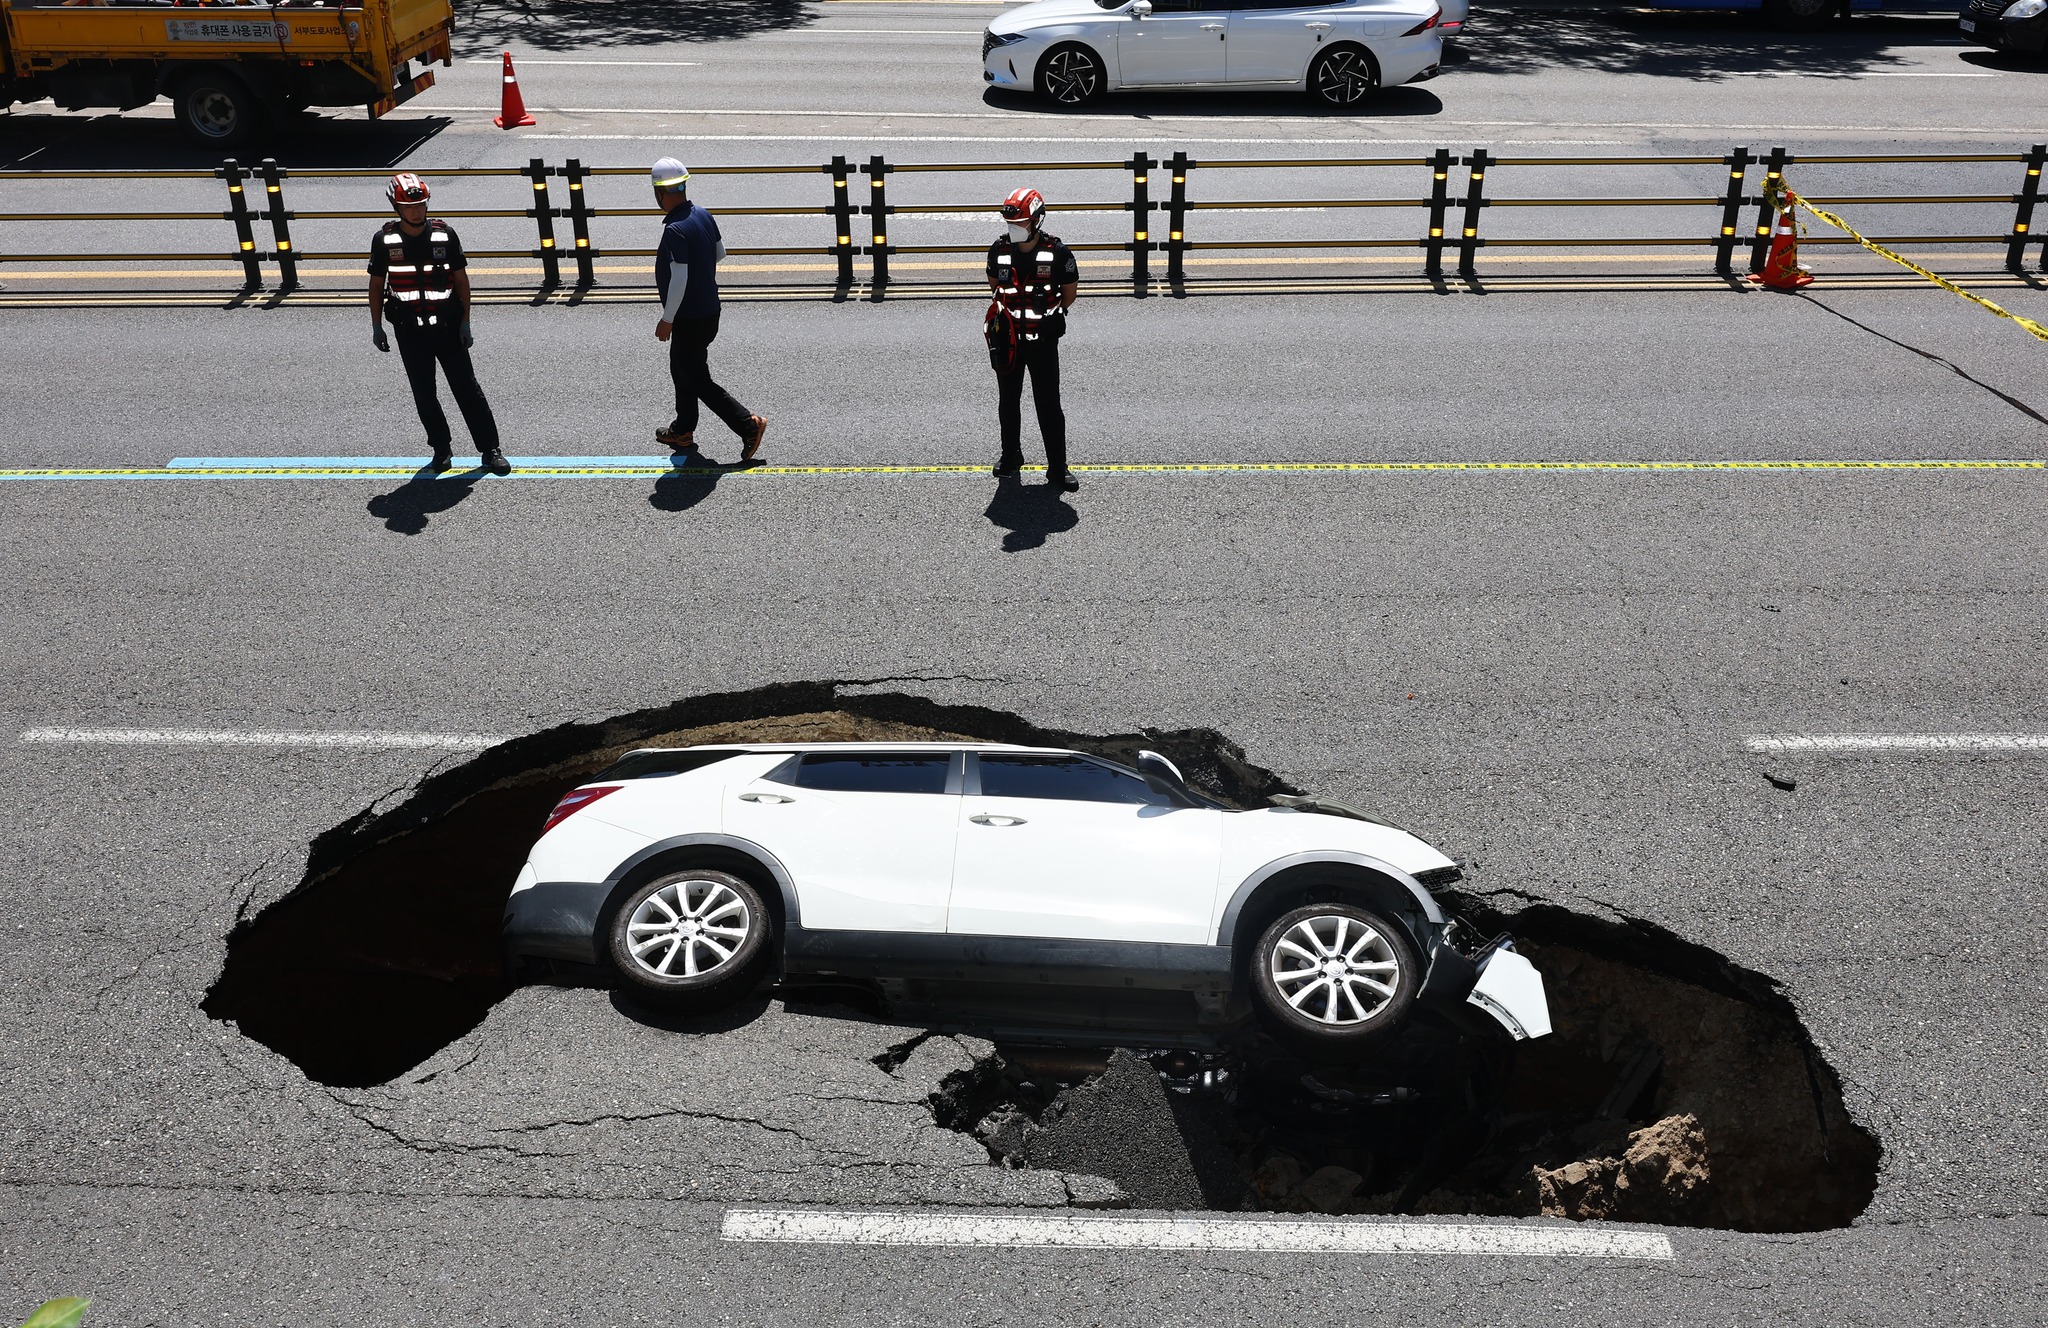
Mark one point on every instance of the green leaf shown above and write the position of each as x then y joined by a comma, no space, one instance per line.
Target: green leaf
63,1312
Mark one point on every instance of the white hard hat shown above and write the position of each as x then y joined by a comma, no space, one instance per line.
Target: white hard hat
670,174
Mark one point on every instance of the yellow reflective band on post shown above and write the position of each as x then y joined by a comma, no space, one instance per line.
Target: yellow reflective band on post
284,244
881,239
1180,179
1727,230
1139,235
1176,235
582,243
2019,228
548,242
846,239
248,244
1469,232
1436,232
1831,219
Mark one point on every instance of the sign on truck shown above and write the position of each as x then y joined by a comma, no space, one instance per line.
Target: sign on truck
233,72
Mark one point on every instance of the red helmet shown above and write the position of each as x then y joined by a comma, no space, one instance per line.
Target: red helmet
1024,208
405,187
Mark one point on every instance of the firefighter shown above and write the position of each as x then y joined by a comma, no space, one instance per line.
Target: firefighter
420,280
686,276
1035,279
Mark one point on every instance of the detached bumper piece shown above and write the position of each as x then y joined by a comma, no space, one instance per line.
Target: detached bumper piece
1511,990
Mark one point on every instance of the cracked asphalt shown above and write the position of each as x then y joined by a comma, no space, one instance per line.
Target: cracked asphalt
1551,673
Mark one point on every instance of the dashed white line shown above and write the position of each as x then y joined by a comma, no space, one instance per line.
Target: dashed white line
246,738
1190,1233
1897,742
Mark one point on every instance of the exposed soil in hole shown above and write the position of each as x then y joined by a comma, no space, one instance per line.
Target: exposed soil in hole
1677,1088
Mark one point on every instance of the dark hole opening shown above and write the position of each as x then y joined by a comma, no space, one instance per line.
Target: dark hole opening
1677,1088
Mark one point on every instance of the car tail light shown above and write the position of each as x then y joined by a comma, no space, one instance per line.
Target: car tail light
575,801
1425,25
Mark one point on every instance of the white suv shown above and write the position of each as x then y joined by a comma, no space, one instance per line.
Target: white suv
1030,890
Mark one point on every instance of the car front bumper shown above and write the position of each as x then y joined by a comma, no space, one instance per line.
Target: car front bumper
2024,34
1011,67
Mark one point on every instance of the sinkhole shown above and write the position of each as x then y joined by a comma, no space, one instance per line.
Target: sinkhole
1677,1087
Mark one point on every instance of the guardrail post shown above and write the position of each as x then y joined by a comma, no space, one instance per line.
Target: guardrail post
2023,219
1439,205
579,222
245,232
1760,242
1141,222
842,222
1731,212
1475,199
878,223
1176,221
544,219
280,224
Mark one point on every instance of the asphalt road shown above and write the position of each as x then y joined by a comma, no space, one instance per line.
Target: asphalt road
1553,673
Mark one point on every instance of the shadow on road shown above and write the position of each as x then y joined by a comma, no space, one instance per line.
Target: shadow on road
32,140
1391,103
1029,512
484,26
690,483
1700,47
410,507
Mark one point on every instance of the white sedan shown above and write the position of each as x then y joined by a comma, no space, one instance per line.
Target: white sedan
1025,890
1339,51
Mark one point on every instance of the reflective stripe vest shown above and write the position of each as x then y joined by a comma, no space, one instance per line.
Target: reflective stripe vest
422,293
1030,288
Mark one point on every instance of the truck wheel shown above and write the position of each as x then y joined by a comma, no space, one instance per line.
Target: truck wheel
218,110
1332,979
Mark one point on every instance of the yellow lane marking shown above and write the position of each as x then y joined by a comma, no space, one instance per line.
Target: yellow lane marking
1156,468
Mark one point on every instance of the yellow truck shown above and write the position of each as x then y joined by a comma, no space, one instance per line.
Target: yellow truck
234,72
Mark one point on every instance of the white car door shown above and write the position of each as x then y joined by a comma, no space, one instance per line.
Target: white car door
1064,846
1273,41
867,836
1180,41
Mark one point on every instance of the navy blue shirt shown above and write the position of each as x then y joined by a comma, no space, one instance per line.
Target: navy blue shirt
690,237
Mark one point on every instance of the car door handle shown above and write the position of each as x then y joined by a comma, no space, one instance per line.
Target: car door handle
770,798
1317,27
987,819
1212,27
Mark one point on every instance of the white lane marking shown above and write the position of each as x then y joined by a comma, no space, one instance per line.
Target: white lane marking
1189,1233
652,64
1897,742
245,738
1868,73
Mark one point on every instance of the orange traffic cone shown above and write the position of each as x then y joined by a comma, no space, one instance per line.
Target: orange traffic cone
512,108
1782,269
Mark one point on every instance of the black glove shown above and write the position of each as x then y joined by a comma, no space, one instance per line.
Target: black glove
378,339
464,335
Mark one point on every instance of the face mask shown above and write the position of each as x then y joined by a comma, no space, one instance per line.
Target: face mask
1019,234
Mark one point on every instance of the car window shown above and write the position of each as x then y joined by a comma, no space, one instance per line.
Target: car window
1188,6
1278,4
874,772
1071,778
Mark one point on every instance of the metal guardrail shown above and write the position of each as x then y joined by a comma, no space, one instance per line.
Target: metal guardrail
1450,212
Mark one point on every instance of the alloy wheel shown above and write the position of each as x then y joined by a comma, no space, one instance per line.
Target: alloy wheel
1336,970
1072,76
1344,78
688,928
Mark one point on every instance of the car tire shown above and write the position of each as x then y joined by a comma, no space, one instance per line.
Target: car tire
1071,75
1333,1012
1801,15
1343,76
218,110
691,938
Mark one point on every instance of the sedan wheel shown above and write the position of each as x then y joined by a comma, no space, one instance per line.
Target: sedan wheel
1071,76
1344,77
1332,977
691,934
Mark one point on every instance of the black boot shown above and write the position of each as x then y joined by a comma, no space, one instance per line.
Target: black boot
495,462
441,461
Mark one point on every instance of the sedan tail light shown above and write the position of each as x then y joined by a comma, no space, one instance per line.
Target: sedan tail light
1426,24
575,801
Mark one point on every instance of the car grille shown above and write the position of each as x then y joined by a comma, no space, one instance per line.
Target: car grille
1988,8
988,43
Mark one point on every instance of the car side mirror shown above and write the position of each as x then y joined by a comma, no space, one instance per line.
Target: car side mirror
1141,9
1162,775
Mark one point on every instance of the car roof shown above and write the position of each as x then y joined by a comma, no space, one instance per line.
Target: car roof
739,748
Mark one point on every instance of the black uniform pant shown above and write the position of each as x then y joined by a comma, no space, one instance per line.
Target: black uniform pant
1040,359
423,347
689,363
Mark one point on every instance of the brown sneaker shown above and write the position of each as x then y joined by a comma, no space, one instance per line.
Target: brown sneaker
753,446
676,442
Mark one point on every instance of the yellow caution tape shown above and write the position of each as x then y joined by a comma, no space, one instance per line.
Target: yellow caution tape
1874,247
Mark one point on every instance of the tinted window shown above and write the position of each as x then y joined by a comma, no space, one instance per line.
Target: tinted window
1067,777
875,772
